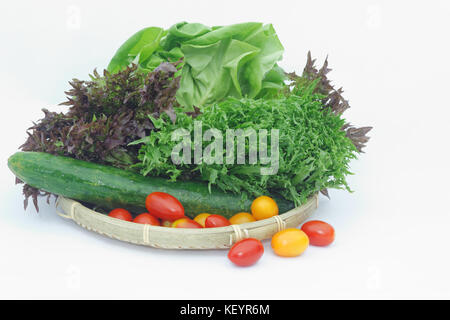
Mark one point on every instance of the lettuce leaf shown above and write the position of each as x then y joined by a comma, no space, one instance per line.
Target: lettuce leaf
314,152
238,60
140,46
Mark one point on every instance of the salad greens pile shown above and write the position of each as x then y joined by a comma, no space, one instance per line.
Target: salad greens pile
105,115
313,150
315,144
226,77
232,61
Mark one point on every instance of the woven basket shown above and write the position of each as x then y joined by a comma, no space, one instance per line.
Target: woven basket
178,238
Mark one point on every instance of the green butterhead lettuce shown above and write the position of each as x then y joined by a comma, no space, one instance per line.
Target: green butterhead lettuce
230,61
136,49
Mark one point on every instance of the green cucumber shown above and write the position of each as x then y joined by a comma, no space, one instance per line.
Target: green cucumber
109,187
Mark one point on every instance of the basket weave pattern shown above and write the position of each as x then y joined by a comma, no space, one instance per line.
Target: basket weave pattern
178,238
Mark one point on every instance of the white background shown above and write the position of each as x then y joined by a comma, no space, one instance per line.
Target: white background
392,232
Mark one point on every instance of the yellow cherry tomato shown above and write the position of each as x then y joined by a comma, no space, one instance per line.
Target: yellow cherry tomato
201,217
264,207
185,223
242,217
290,242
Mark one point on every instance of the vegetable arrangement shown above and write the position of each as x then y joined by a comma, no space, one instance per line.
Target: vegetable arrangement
318,161
290,242
114,146
108,187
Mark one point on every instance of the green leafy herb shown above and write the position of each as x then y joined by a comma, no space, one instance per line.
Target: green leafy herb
316,144
313,150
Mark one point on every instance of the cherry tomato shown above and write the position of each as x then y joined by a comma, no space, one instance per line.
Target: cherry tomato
166,223
121,214
246,252
201,217
186,223
164,206
319,233
147,218
242,217
264,207
215,221
290,242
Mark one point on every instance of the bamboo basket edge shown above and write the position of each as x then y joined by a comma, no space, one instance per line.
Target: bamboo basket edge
178,238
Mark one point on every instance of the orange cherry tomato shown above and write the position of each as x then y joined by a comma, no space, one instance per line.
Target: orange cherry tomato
186,223
164,206
201,218
264,207
215,221
147,218
242,217
166,223
290,242
246,252
319,232
121,214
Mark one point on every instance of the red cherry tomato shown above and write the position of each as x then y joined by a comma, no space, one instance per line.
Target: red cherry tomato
215,221
246,252
121,214
319,233
147,218
186,223
164,206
